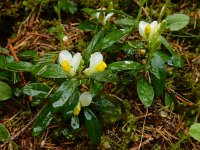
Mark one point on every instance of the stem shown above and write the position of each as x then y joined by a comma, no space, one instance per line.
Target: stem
150,56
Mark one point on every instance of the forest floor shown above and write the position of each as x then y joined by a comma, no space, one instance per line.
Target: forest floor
158,127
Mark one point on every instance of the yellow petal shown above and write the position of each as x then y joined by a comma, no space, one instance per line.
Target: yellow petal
100,67
147,30
66,66
77,109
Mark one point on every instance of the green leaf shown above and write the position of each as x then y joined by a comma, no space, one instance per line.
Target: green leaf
159,83
95,88
20,66
70,105
94,45
124,21
106,76
165,56
177,61
37,101
49,71
4,134
145,92
2,61
6,91
28,54
141,2
168,46
67,6
39,90
88,26
42,122
157,66
106,105
112,38
177,22
169,100
125,65
194,131
93,126
89,11
61,96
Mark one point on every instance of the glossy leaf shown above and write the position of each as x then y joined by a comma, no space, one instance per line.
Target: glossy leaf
106,76
111,38
20,66
42,122
95,88
37,101
88,26
125,21
177,61
177,22
125,65
106,105
89,11
61,96
5,92
157,66
2,61
4,134
194,131
93,126
159,83
28,54
168,46
50,71
145,92
165,56
36,89
70,105
94,45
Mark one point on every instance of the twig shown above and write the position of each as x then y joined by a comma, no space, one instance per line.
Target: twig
143,130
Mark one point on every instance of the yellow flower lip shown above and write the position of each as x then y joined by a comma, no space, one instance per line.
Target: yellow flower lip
100,67
68,63
77,109
66,66
96,64
147,30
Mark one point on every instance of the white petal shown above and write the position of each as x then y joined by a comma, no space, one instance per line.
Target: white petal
65,55
108,16
142,26
98,13
65,38
76,61
95,59
85,99
154,28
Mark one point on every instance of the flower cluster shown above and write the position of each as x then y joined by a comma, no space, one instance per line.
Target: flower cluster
70,65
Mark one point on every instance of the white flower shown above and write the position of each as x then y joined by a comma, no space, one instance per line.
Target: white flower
69,64
104,18
85,99
65,38
96,64
147,30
